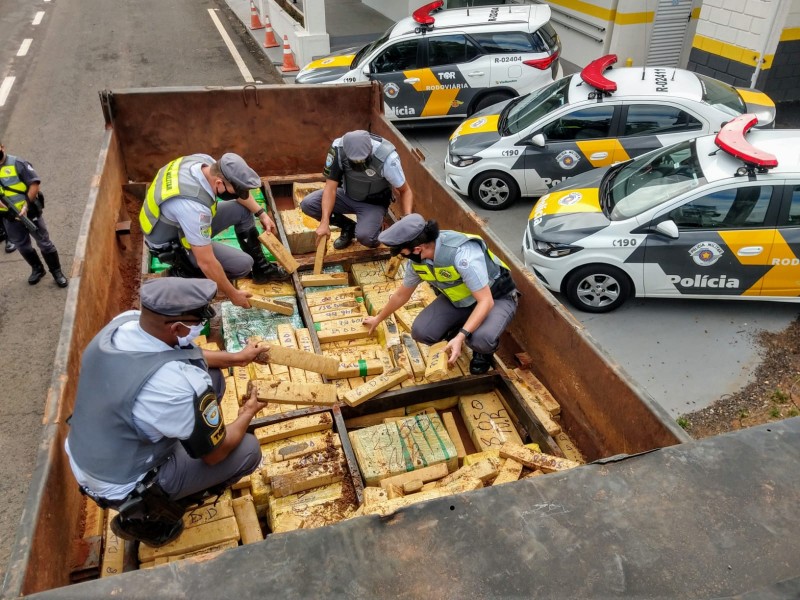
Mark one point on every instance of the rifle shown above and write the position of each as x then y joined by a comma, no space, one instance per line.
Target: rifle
29,225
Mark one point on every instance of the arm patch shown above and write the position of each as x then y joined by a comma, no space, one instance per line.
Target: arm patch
209,429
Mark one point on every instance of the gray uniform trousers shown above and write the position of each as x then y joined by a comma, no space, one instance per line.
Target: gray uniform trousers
440,317
370,216
235,262
19,235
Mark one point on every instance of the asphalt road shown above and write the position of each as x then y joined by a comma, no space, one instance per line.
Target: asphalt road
51,116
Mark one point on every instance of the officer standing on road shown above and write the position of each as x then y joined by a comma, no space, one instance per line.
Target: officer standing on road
478,298
147,435
20,185
361,170
181,214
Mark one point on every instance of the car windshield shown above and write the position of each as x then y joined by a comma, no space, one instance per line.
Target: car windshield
721,96
366,50
533,107
649,180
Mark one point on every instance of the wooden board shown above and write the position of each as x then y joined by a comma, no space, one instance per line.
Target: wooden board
543,395
288,392
487,421
319,258
266,303
374,418
437,368
425,474
537,460
213,510
300,448
324,279
247,519
308,424
113,550
301,237
308,361
271,289
195,538
539,411
449,422
317,298
485,470
359,368
282,467
279,251
568,448
375,386
510,471
306,478
302,189
414,356
305,344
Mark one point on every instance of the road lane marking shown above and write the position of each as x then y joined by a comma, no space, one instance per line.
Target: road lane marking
5,88
38,18
23,49
231,48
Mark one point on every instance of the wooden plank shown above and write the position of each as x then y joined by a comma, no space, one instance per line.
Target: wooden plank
94,519
414,356
449,422
276,306
543,395
305,344
539,411
302,448
412,487
288,392
300,504
485,470
271,289
356,311
308,424
302,189
536,460
568,448
374,418
510,471
279,251
426,474
393,266
329,333
319,258
195,538
374,387
389,333
373,495
438,405
214,510
389,507
206,553
328,296
308,361
487,421
330,306
113,559
306,479
359,368
247,519
324,279
437,368
282,467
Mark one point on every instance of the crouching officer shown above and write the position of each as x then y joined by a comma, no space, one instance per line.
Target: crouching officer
477,298
361,170
147,435
180,215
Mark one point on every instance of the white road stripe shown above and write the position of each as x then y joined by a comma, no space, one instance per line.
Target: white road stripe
231,48
38,18
5,88
23,49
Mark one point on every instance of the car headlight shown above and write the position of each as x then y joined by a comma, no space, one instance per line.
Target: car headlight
463,161
553,250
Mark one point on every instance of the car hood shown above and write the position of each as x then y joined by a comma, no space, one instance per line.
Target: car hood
565,216
476,133
759,104
328,68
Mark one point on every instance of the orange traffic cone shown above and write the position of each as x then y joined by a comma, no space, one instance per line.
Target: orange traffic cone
269,35
288,58
255,21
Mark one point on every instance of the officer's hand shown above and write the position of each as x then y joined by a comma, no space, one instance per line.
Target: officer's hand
24,210
453,349
251,353
371,322
322,231
239,298
267,223
253,404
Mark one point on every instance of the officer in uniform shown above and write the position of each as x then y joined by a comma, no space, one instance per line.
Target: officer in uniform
180,215
20,185
477,297
147,435
361,170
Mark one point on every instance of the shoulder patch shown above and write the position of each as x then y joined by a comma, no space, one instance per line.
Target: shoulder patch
205,232
463,263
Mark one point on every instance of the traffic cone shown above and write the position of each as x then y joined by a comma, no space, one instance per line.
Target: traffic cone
269,35
255,21
288,58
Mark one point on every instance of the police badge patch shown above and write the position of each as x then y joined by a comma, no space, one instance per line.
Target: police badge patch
370,172
706,254
391,90
567,159
211,414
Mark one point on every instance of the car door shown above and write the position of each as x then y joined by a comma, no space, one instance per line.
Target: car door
575,141
647,126
389,66
783,278
724,244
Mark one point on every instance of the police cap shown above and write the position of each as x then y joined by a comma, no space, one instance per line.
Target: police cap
404,231
357,144
241,176
173,296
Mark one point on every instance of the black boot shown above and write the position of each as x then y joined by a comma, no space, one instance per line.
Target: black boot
10,247
348,231
480,363
263,270
54,265
154,533
32,258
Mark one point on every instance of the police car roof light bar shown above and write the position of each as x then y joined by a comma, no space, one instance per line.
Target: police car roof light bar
423,14
731,139
593,73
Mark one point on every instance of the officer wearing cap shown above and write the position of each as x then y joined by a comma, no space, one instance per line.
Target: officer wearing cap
361,170
181,214
477,297
147,435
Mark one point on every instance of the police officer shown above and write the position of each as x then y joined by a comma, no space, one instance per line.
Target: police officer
477,297
361,170
180,215
20,185
147,435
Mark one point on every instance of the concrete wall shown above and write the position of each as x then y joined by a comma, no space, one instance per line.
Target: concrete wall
306,42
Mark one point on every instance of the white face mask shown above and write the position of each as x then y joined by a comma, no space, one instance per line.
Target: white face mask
194,333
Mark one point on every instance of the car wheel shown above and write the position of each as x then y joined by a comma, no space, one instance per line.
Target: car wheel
494,190
597,288
490,99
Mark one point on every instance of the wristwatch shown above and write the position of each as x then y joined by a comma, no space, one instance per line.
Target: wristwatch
467,334
259,212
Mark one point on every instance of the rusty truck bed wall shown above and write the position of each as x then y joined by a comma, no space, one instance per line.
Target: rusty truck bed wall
281,130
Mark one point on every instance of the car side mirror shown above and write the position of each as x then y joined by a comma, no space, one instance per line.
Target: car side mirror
668,228
538,140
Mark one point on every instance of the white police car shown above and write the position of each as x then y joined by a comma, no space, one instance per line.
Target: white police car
715,217
587,120
450,63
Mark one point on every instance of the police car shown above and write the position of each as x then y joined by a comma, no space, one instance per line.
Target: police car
591,119
715,217
450,63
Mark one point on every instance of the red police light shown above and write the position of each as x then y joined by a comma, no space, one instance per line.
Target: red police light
593,73
731,139
423,14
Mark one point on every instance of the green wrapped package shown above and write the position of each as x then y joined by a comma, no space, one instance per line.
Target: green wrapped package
239,324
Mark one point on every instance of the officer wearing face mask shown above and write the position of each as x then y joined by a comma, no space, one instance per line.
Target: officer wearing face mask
477,297
147,435
181,214
361,170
